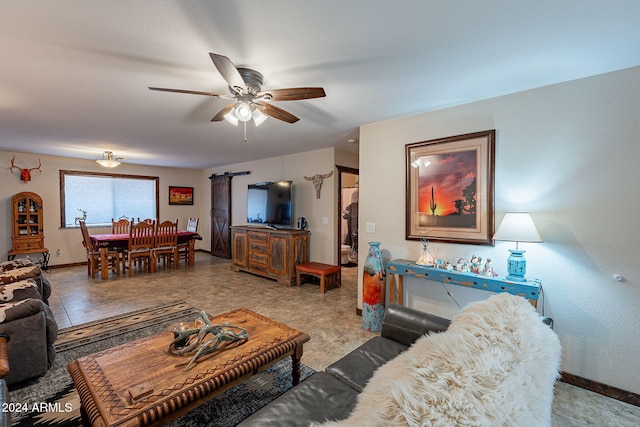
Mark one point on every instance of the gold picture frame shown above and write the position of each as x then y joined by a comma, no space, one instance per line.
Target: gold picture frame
450,189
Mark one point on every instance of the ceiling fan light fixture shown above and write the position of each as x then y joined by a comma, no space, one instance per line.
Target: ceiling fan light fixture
258,116
109,162
231,117
243,111
245,86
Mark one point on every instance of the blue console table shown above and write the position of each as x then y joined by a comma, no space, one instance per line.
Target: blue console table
397,269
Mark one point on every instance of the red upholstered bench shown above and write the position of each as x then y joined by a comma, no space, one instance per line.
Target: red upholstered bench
329,275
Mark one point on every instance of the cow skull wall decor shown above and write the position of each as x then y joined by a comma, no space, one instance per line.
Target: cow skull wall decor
25,174
317,181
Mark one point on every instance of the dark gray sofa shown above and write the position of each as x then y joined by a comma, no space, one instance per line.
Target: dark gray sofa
331,395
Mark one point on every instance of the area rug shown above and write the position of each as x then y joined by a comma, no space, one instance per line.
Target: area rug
52,399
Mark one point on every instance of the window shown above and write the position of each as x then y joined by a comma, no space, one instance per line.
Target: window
104,196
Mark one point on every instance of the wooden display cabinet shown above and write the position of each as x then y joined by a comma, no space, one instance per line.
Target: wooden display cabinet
27,233
269,253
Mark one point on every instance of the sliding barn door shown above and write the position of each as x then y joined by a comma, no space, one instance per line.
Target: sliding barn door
221,216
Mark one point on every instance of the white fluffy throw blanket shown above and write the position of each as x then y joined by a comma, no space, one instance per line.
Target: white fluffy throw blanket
496,365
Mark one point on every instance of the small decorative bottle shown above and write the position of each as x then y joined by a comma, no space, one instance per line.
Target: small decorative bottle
424,258
373,295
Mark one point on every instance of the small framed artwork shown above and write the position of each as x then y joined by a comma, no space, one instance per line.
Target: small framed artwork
450,185
180,195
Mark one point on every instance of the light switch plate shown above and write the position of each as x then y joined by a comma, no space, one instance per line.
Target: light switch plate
371,227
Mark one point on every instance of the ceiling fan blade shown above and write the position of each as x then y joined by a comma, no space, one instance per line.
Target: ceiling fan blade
192,92
220,116
229,72
276,112
293,94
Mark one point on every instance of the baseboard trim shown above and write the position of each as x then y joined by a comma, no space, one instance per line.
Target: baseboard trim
73,264
77,264
603,389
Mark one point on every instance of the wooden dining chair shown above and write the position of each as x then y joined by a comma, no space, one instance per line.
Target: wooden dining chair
120,226
93,256
148,220
183,248
141,243
166,246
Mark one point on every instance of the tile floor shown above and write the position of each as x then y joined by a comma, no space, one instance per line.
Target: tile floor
329,319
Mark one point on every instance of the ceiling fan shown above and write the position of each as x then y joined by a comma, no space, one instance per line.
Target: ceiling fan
251,102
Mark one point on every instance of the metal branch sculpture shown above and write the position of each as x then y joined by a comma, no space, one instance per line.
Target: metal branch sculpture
193,340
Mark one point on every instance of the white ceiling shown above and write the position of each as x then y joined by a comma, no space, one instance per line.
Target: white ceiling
74,73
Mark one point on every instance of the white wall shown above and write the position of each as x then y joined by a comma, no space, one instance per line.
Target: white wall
47,185
291,168
347,158
568,154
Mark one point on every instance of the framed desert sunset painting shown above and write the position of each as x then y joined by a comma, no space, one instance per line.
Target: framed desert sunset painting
180,195
450,184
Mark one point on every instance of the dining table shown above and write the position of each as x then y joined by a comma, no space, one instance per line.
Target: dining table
106,242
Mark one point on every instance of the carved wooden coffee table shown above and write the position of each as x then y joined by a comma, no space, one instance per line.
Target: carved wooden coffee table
141,383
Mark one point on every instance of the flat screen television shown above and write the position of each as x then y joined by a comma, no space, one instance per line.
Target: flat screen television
270,203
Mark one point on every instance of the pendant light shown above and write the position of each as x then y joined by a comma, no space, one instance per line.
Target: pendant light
109,161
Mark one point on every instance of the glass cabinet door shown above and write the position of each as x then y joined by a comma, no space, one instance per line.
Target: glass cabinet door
27,227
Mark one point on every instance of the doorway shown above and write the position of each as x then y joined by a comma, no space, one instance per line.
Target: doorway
348,217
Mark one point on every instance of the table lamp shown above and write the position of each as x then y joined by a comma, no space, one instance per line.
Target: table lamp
517,227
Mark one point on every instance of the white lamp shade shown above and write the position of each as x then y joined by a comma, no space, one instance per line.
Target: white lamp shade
109,162
243,111
231,117
258,117
518,227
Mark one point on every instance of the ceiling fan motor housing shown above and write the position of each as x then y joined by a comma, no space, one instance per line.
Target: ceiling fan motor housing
252,78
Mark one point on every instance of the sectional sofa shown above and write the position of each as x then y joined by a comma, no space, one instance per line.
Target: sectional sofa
495,363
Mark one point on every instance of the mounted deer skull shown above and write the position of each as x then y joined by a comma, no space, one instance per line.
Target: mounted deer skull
25,174
317,181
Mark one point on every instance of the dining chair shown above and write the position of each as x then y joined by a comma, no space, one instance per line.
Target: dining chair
192,225
183,248
148,220
141,243
137,221
120,226
166,246
93,256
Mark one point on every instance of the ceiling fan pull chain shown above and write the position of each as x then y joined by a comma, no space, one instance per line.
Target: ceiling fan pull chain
245,131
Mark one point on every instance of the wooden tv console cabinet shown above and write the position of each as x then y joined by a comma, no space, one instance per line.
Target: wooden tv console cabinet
269,253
